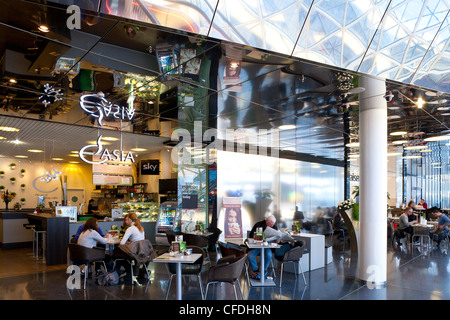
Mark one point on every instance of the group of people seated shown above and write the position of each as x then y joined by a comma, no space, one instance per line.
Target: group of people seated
409,218
89,235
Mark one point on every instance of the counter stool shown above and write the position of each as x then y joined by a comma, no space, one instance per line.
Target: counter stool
36,234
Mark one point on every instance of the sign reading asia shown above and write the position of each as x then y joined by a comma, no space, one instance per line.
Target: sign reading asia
98,107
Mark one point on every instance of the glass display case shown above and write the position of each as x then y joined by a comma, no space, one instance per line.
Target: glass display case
146,211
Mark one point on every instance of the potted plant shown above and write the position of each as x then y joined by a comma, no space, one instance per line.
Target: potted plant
12,166
22,200
2,173
2,187
12,179
22,185
22,171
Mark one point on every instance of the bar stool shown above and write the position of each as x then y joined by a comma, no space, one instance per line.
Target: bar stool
36,234
30,227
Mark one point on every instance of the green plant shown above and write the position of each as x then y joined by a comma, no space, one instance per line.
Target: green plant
22,199
22,170
2,172
2,187
12,164
22,185
12,179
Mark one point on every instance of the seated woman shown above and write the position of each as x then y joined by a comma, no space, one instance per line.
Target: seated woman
90,235
134,232
89,238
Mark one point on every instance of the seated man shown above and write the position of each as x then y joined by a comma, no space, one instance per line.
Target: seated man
270,221
405,224
441,231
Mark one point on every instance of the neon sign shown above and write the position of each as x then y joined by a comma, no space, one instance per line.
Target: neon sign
104,154
97,106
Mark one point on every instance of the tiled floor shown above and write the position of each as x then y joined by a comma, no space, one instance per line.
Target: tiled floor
413,274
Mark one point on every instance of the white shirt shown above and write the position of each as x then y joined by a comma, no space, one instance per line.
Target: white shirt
89,238
133,234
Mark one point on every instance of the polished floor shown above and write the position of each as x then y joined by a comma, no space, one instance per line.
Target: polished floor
414,273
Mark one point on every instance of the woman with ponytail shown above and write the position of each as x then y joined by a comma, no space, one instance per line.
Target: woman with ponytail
135,231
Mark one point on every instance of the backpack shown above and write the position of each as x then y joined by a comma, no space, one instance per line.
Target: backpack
109,279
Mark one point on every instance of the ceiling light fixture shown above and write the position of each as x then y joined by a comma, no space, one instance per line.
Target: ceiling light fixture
420,103
438,138
138,149
35,150
44,28
352,145
398,133
57,159
415,147
394,154
20,156
9,129
412,157
400,141
287,127
428,150
13,80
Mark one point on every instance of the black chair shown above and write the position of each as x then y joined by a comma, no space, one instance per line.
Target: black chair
89,256
188,269
228,249
293,255
170,234
138,254
199,241
216,232
228,270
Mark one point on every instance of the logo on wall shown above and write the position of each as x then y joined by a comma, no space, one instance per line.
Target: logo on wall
104,154
150,167
98,107
47,177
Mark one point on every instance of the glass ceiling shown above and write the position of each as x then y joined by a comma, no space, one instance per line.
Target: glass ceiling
401,40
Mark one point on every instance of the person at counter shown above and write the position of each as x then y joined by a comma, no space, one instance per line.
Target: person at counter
92,208
270,221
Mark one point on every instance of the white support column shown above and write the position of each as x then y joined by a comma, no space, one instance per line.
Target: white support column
373,182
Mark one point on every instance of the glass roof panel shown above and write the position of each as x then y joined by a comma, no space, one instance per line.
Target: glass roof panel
434,71
352,23
404,38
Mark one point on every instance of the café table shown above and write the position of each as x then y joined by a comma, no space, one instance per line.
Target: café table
110,243
314,246
179,259
422,231
260,245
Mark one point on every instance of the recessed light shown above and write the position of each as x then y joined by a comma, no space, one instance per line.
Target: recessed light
352,145
415,147
95,142
73,155
399,141
138,149
398,133
110,138
2,138
35,150
287,127
43,28
57,159
73,162
9,129
13,80
20,156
